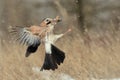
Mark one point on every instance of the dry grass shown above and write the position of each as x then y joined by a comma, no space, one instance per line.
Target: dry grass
93,56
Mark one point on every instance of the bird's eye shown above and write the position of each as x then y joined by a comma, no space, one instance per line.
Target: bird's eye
47,20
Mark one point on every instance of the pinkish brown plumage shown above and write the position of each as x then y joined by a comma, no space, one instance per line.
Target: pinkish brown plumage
33,35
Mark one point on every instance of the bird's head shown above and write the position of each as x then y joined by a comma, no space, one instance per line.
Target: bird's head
50,21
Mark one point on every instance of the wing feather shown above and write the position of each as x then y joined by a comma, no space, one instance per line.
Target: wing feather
23,38
26,36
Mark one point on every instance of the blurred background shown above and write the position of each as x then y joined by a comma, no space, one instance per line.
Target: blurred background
92,48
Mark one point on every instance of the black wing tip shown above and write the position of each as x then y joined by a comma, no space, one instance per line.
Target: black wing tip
31,49
27,54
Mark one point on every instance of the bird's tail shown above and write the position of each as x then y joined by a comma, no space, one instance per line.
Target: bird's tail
53,60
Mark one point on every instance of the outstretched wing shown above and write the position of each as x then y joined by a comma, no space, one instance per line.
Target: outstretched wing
28,36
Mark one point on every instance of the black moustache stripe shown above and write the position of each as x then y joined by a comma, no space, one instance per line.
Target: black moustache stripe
49,22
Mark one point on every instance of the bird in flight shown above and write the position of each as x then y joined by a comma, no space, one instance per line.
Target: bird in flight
33,36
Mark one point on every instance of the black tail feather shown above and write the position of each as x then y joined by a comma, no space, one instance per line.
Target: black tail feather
49,63
31,49
52,60
58,55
